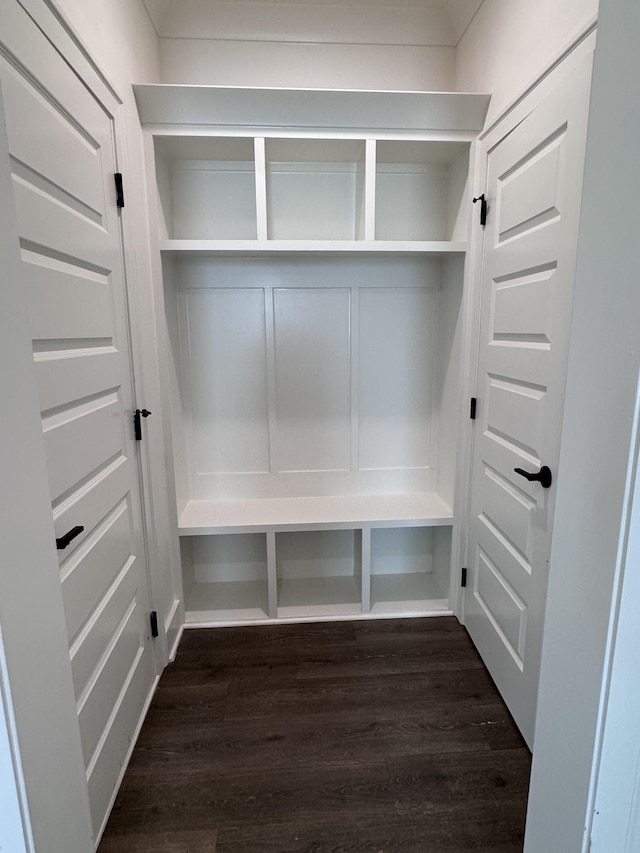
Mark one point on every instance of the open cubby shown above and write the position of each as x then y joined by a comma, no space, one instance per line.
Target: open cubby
410,569
225,577
319,573
315,189
207,187
419,190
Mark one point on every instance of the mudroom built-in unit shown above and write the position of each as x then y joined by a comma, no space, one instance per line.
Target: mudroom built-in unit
312,250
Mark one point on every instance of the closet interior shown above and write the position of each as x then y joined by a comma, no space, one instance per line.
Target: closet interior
314,283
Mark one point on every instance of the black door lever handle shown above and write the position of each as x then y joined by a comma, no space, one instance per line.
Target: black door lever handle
543,476
66,540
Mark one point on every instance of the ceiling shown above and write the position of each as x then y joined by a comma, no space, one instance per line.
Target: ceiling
415,22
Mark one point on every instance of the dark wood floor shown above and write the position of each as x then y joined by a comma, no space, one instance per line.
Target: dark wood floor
370,736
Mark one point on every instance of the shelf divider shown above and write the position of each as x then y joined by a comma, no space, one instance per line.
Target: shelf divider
370,191
272,575
364,555
261,187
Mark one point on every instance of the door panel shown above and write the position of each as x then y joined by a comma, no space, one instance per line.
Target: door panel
534,178
61,145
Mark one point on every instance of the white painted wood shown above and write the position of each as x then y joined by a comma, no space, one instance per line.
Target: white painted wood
225,371
232,601
363,554
272,575
616,810
212,185
397,68
396,365
89,572
173,388
329,513
370,190
413,189
318,597
210,202
258,431
119,737
401,551
313,189
230,558
95,704
367,22
212,105
41,769
506,47
595,522
70,235
313,367
448,400
334,396
267,247
414,594
261,187
89,645
530,246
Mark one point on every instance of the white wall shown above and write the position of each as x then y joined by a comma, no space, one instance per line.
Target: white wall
316,66
509,43
596,462
120,38
309,44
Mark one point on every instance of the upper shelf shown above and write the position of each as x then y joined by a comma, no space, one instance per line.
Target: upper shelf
235,106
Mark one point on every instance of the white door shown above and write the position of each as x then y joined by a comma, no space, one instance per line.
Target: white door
534,179
61,145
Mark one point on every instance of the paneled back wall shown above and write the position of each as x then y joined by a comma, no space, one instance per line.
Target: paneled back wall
308,377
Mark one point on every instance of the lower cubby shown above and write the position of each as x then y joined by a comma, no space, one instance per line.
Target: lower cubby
410,569
319,573
316,574
225,578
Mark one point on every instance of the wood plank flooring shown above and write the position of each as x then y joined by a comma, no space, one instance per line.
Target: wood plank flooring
343,737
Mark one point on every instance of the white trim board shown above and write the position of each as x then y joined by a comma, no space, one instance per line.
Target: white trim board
162,104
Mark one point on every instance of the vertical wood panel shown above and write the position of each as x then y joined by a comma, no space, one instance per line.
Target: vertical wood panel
228,378
313,392
396,368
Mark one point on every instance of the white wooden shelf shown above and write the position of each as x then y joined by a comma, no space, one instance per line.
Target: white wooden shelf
163,106
268,247
202,518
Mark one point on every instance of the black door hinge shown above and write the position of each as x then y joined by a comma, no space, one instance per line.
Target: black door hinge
119,189
153,619
137,422
483,209
473,407
463,577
